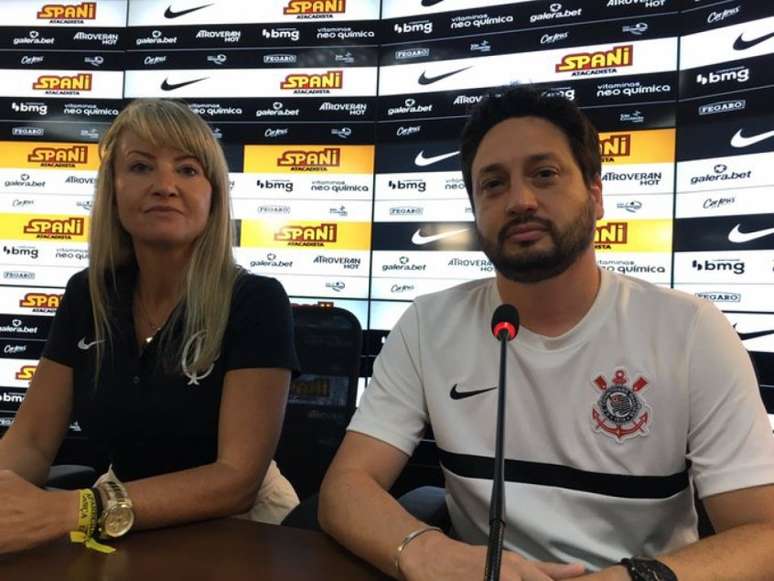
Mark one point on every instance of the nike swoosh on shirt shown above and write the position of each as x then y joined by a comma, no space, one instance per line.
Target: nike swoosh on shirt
425,80
454,394
754,334
83,345
742,44
738,237
420,239
738,140
423,161
167,86
169,13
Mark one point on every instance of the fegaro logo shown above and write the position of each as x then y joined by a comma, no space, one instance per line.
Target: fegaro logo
315,8
56,229
720,265
28,131
740,74
72,156
63,85
413,26
555,13
41,301
273,209
615,146
310,160
314,84
406,211
19,275
68,13
224,35
280,59
596,62
723,107
411,53
25,373
609,234
718,297
307,235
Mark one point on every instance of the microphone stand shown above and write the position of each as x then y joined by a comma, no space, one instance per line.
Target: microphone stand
494,551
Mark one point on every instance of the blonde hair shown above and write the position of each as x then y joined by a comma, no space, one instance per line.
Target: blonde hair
211,271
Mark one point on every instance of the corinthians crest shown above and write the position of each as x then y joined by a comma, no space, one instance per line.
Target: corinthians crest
621,412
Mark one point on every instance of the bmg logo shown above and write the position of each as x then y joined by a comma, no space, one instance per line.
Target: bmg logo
720,265
738,74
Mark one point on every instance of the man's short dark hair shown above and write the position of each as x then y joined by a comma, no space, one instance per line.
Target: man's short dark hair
525,101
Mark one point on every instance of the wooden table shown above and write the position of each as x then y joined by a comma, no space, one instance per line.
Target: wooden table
219,550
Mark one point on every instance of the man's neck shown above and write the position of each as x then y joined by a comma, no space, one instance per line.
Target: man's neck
554,306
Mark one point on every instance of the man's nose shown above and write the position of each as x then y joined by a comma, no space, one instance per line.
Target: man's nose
521,198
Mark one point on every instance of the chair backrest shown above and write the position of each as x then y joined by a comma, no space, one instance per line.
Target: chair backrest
322,399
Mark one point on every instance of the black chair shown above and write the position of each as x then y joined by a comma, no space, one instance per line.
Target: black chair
322,399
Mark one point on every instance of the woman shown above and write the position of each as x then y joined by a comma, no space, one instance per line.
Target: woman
172,358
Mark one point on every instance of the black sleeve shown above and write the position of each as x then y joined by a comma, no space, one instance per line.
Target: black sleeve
70,318
260,328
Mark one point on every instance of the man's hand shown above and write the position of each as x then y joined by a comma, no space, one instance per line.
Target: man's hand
434,556
30,516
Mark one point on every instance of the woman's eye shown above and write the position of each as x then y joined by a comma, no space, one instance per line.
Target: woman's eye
139,167
189,170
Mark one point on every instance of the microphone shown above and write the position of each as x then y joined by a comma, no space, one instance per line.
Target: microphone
505,327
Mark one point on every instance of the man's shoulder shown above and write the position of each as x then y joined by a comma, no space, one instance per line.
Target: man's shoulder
460,298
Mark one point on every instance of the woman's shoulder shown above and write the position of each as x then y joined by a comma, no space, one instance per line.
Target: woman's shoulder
255,288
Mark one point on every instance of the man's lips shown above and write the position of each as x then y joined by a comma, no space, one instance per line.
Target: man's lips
525,232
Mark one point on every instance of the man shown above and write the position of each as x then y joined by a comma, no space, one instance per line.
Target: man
623,397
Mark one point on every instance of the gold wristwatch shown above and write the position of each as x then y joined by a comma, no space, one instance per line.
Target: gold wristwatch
117,515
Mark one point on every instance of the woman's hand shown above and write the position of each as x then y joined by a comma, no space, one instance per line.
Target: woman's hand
30,516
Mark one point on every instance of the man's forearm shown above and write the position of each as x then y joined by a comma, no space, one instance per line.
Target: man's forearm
743,553
363,517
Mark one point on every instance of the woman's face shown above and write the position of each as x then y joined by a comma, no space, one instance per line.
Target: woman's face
162,194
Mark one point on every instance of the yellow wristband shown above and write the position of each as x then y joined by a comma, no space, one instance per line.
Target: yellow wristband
87,522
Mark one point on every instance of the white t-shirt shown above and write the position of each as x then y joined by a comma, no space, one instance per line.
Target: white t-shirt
604,424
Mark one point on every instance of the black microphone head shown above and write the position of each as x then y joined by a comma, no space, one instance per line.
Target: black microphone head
505,319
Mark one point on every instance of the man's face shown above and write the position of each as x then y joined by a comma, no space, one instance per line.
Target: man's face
534,214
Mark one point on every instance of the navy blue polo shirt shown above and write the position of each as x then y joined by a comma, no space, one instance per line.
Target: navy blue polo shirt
146,418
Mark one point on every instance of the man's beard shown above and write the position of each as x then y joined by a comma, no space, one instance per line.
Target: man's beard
530,265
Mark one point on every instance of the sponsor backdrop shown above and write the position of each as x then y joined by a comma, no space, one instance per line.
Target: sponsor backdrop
340,118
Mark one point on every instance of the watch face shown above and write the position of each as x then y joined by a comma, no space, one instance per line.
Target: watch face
118,521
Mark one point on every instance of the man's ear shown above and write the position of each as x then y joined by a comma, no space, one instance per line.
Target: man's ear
595,191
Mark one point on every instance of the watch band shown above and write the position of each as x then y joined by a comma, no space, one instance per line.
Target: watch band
117,516
643,569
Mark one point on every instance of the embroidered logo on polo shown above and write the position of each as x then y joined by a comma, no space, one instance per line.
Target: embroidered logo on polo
195,343
621,412
84,346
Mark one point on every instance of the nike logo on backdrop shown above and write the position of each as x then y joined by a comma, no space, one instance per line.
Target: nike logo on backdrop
738,140
84,346
738,237
167,86
169,13
754,334
420,239
741,44
425,80
423,161
428,3
454,394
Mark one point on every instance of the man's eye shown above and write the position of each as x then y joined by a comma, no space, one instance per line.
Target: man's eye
547,173
492,184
